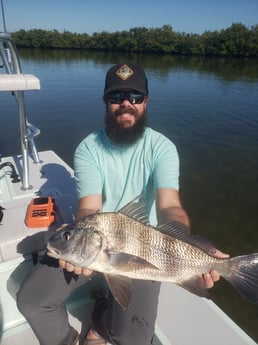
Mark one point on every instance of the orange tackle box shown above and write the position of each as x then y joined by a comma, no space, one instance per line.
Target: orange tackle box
40,212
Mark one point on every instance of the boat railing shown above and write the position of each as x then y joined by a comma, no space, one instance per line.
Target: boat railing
15,81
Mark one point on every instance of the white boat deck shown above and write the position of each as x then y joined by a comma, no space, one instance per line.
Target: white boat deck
51,177
183,319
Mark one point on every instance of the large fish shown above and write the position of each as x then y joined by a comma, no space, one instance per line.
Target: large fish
123,246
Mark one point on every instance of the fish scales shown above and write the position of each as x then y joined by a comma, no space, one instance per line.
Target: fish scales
162,251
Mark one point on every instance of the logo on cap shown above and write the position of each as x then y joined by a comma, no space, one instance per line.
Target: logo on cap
124,72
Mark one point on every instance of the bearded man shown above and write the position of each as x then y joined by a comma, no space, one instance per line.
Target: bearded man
112,166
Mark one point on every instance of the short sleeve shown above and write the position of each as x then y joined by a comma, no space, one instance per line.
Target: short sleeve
166,165
87,174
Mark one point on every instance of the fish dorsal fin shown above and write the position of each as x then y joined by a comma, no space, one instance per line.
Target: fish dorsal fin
175,229
136,209
183,233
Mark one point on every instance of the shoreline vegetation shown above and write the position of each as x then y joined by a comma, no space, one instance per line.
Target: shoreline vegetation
237,40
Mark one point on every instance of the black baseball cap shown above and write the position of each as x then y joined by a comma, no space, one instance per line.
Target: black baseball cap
126,76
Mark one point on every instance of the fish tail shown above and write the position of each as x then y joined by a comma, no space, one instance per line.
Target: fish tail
243,275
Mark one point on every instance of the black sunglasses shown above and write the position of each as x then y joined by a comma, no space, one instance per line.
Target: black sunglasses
117,97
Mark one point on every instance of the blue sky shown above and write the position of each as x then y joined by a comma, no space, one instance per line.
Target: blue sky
191,16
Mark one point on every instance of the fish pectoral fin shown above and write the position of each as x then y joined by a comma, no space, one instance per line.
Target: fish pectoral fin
196,286
121,289
127,262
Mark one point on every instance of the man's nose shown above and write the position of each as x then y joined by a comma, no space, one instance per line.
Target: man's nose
125,103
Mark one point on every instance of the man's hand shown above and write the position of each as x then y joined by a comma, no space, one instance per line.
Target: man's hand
213,276
76,269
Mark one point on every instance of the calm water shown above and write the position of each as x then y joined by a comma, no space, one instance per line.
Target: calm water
208,107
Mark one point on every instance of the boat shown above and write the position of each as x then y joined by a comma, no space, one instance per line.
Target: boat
37,194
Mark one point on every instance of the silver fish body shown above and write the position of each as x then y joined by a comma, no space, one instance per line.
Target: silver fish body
123,246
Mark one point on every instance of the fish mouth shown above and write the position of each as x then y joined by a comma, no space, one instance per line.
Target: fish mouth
53,253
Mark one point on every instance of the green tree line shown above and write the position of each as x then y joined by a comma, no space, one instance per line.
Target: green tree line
236,40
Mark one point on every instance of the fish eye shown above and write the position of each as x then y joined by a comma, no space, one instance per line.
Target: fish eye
67,235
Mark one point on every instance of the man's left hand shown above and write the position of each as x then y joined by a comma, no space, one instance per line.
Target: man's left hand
213,276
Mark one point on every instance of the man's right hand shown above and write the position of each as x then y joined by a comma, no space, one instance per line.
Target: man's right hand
76,269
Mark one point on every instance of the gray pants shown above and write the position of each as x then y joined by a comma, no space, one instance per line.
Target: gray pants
41,301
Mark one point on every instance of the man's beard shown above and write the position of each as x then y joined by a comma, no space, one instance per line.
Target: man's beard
121,135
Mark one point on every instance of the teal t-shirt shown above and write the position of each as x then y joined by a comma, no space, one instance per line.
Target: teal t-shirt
120,173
